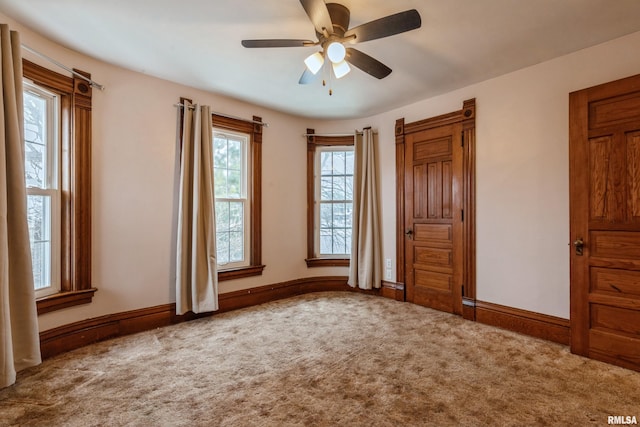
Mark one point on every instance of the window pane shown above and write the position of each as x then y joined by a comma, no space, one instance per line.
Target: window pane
222,217
234,184
348,212
326,188
339,241
222,247
348,240
339,187
326,215
39,222
325,163
220,182
339,215
349,163
235,155
219,152
236,246
35,129
348,189
339,163
326,242
236,216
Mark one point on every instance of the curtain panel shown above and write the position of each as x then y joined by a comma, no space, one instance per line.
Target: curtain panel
196,264
365,268
19,339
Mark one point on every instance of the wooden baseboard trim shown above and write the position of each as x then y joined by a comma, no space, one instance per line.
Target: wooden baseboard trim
468,308
538,325
392,290
75,335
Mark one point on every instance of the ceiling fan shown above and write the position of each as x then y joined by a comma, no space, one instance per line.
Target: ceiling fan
331,21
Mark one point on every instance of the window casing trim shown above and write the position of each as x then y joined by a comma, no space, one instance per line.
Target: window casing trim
75,185
313,142
254,153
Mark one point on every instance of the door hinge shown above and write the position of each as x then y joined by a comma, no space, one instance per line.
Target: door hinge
462,215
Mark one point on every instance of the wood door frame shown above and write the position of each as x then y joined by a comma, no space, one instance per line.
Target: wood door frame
466,116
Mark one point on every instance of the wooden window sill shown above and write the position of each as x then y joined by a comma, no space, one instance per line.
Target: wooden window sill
238,273
64,300
327,262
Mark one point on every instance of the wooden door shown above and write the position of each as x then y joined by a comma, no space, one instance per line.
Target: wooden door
433,209
605,222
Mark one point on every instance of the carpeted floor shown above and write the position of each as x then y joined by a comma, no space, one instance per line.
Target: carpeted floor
326,359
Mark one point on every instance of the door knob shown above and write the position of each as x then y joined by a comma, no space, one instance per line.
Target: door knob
409,233
579,244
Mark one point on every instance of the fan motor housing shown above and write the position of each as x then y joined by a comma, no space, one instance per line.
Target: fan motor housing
340,16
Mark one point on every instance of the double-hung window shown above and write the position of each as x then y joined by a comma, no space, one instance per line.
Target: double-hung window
232,179
330,165
42,175
334,201
57,148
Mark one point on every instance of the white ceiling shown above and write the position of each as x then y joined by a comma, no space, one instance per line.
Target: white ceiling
197,43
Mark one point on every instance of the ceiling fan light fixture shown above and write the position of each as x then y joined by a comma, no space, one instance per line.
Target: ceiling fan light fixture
314,62
336,52
341,69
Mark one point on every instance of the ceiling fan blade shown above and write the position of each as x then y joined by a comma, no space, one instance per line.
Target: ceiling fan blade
367,64
277,43
319,14
307,77
387,26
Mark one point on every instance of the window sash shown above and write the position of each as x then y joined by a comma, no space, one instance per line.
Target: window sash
224,234
338,232
46,262
45,252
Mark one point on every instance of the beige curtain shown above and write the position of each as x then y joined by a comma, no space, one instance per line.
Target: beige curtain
365,270
196,270
19,340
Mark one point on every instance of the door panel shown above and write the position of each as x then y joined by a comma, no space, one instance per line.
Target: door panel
611,281
633,170
605,215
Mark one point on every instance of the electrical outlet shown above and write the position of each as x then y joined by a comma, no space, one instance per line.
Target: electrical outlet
387,263
387,274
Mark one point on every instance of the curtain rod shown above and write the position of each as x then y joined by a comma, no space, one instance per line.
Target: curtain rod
227,116
336,134
64,67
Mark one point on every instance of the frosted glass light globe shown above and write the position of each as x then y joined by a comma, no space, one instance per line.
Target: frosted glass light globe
336,52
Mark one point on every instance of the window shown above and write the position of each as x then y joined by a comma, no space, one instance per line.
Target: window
330,163
231,178
237,167
334,196
57,124
42,151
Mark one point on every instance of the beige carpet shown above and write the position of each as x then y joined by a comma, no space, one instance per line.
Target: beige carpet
326,359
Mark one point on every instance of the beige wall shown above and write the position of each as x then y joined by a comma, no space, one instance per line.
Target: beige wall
522,176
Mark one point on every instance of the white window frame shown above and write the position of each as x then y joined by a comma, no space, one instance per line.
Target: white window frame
52,186
317,197
245,191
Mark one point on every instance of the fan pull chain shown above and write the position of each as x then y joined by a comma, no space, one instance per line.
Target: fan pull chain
324,80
